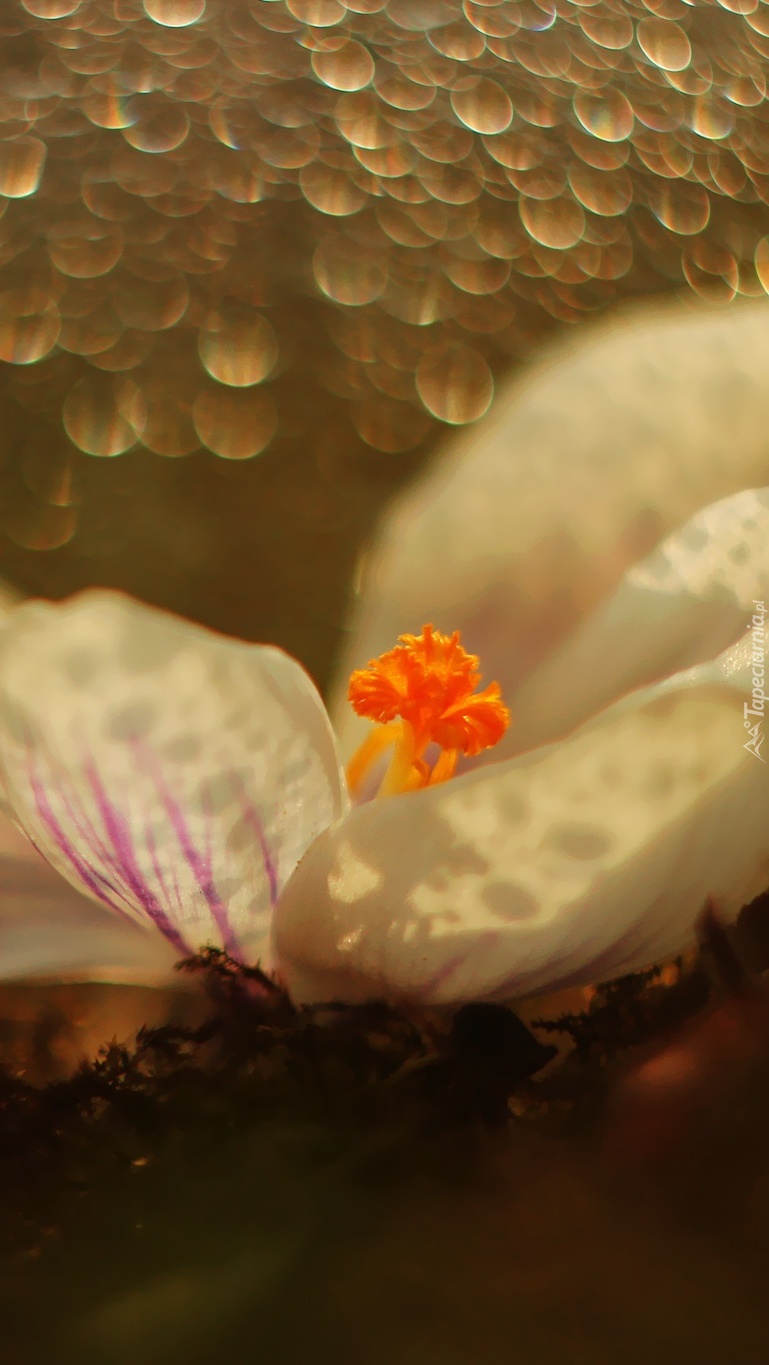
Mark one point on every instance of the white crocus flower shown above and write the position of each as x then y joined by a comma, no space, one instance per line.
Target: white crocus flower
178,778
192,784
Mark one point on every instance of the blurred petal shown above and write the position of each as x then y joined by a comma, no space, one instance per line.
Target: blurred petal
690,599
173,774
48,929
9,598
580,469
574,864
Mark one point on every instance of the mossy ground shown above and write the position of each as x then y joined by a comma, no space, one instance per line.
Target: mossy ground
351,1185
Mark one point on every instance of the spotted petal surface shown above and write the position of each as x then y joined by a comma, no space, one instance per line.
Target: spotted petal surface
683,604
598,452
574,864
171,774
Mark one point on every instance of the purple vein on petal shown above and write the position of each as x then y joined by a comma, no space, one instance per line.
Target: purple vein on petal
118,832
200,865
96,884
89,836
160,876
254,822
442,975
448,968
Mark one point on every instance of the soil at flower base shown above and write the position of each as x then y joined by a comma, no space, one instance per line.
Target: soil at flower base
250,1181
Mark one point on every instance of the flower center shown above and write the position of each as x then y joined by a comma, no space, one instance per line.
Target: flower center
422,692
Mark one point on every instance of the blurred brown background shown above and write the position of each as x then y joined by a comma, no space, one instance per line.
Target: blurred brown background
258,257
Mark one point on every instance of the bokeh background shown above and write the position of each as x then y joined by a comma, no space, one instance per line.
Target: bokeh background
258,258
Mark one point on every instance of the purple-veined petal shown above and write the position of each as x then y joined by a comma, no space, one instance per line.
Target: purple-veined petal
175,775
566,866
531,517
47,929
686,602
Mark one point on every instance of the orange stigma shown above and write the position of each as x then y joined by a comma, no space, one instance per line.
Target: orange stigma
422,692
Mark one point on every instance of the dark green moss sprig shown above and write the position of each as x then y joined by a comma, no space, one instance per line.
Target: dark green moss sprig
631,1011
257,1060
242,1141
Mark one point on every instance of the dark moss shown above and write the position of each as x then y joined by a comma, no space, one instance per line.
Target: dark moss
353,1184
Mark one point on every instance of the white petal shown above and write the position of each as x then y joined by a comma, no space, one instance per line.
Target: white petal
48,930
533,515
570,865
171,773
685,603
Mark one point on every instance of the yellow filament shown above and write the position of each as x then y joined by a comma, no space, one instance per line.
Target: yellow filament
379,738
444,767
406,771
399,775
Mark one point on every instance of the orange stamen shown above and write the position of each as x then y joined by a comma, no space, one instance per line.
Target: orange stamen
427,681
